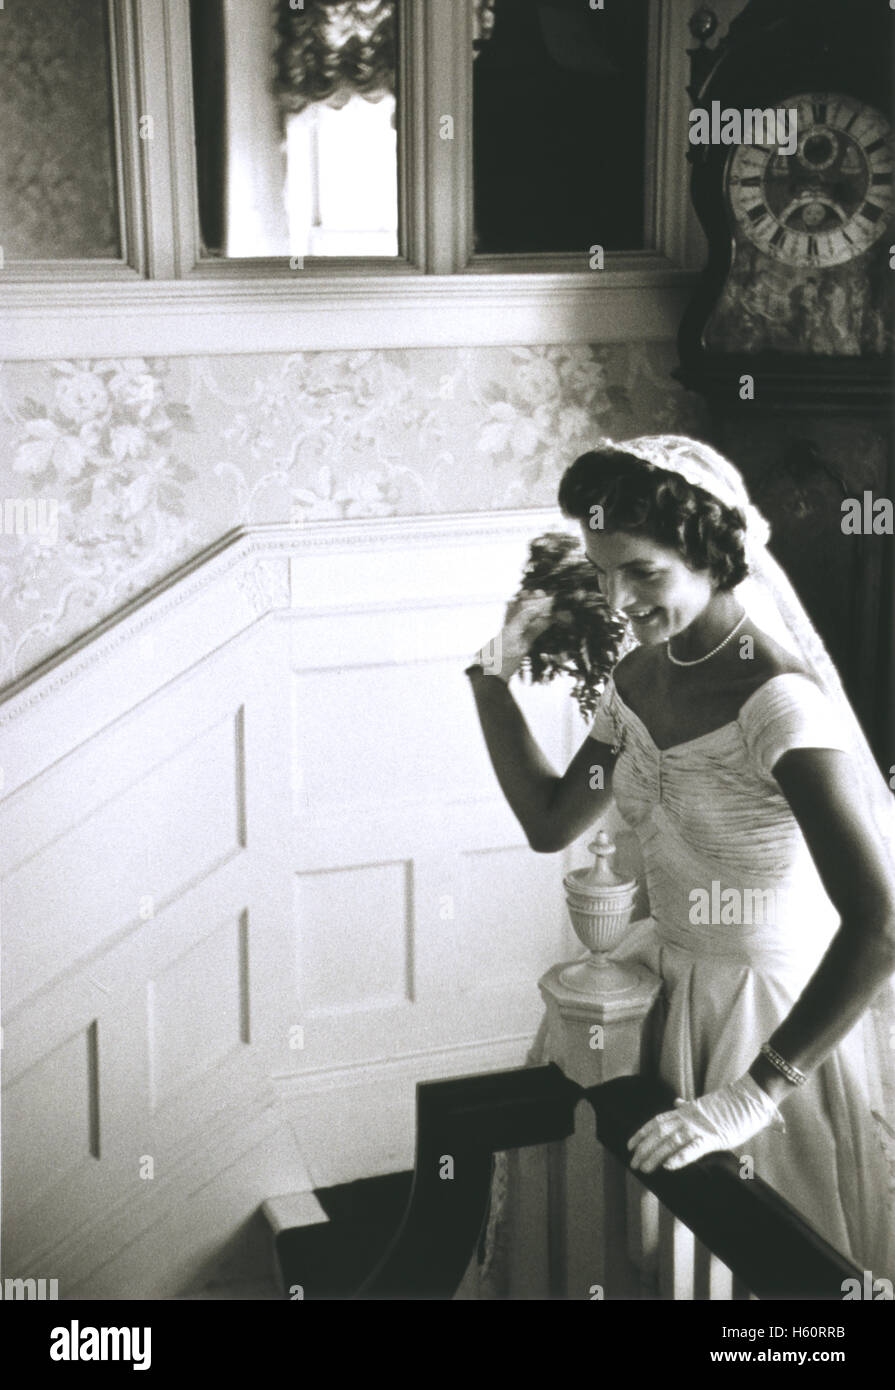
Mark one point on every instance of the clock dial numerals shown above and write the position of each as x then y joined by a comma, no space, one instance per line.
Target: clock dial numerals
829,201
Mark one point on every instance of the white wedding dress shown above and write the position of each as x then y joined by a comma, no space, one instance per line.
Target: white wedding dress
710,816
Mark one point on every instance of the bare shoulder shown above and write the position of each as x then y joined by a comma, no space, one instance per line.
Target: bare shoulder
633,671
764,658
632,660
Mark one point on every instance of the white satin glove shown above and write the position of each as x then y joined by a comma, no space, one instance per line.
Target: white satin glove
722,1119
525,619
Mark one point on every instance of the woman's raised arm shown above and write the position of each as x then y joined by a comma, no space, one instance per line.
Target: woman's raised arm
552,810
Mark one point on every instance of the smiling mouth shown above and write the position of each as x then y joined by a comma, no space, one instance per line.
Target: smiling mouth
643,616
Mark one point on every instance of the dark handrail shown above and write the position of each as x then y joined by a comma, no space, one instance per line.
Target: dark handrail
754,1231
463,1122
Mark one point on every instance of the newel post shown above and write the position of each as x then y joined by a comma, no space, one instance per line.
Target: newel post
598,1012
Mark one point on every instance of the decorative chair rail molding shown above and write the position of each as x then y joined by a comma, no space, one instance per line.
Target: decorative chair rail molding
245,554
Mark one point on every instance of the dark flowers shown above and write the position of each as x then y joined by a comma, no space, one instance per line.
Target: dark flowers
586,638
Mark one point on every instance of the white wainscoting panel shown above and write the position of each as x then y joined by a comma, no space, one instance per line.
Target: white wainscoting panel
258,881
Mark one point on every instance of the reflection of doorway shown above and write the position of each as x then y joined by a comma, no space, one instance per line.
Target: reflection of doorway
342,179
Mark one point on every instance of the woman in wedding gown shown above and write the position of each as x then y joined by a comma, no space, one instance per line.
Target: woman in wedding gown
766,833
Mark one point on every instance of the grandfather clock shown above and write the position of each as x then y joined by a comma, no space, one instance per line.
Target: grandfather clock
789,334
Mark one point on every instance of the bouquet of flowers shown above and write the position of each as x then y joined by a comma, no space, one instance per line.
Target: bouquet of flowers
586,638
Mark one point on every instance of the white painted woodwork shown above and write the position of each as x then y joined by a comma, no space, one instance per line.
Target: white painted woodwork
257,882
286,1213
588,1202
532,1243
292,1209
640,301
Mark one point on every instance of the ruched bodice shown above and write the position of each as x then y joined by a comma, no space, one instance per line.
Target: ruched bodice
726,864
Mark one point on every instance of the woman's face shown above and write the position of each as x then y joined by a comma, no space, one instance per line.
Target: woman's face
649,582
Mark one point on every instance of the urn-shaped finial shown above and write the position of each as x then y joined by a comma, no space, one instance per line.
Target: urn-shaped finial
600,903
601,873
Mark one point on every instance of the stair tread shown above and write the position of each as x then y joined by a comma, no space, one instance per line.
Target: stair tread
331,1259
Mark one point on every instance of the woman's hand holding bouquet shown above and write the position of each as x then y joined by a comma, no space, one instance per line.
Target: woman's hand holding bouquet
558,623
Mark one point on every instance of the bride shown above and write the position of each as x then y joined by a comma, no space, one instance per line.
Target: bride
729,746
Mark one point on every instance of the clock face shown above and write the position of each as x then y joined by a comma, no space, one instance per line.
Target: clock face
827,202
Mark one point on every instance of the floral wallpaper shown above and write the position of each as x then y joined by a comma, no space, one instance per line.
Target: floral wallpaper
116,471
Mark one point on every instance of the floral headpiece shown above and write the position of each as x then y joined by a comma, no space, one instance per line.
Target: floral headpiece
701,466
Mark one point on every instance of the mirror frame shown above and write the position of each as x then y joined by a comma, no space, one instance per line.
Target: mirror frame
164,299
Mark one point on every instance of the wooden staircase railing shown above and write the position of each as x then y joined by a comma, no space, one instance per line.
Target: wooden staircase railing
769,1247
461,1123
583,1224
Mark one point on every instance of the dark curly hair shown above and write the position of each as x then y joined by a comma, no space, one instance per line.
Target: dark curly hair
639,497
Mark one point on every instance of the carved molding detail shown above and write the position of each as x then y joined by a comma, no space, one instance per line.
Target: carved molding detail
254,556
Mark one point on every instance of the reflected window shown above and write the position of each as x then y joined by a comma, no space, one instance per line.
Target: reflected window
296,118
559,125
58,181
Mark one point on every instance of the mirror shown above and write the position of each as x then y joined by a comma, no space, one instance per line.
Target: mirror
559,126
296,115
296,138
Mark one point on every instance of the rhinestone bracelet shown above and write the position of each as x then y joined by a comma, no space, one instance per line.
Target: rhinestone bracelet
798,1078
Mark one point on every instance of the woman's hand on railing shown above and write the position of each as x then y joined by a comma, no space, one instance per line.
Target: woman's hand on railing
721,1119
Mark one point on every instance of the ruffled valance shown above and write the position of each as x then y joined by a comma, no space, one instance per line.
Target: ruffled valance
331,50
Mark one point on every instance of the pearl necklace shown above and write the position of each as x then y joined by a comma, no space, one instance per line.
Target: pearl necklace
676,661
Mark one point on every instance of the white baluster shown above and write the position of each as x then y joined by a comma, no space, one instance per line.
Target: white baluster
713,1280
643,1236
676,1258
